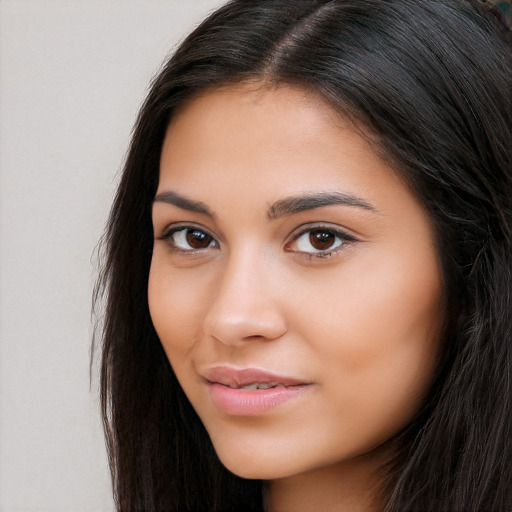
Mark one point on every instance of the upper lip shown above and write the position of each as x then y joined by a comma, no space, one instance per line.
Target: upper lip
238,377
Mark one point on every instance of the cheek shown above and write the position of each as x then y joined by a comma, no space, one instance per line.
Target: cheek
177,301
379,338
374,302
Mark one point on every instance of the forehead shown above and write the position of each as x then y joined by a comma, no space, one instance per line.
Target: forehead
250,114
279,138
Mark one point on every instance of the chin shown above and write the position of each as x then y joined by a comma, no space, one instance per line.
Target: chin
253,470
245,463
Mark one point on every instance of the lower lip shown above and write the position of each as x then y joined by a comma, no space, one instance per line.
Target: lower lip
250,402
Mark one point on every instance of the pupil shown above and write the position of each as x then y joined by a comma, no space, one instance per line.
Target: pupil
198,239
321,240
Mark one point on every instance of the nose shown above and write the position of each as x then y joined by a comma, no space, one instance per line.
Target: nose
245,305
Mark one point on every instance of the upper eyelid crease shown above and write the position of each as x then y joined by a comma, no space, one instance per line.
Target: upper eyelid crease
346,237
174,228
323,226
342,234
170,231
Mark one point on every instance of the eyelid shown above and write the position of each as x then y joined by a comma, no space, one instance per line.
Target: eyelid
336,230
176,226
171,229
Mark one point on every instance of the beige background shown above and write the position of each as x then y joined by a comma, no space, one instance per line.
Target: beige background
72,75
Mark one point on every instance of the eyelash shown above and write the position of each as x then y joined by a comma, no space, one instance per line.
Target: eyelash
343,239
169,233
342,236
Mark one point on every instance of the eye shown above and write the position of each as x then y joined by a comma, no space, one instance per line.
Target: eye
319,241
189,239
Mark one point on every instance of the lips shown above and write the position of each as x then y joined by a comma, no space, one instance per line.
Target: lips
250,391
247,377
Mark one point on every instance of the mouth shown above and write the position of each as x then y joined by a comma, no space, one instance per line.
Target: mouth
250,391
257,385
248,378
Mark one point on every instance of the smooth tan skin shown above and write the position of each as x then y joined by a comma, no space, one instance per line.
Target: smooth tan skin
361,324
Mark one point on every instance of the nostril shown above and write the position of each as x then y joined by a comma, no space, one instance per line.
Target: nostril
254,337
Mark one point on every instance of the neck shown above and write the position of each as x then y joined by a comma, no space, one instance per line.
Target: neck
349,486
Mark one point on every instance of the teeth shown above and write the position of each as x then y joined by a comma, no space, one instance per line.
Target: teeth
260,385
255,385
250,386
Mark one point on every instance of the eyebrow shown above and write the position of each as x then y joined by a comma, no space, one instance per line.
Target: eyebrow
281,208
296,204
183,202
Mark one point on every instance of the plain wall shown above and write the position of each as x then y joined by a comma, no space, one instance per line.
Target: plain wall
72,76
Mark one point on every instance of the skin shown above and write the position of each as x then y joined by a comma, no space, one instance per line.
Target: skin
359,322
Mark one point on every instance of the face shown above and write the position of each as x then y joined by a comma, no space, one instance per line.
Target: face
294,285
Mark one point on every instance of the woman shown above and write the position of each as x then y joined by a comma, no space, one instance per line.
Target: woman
307,273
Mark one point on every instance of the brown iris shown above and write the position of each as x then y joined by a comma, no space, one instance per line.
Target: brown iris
198,239
321,239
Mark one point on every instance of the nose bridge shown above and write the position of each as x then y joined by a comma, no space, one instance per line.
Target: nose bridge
244,306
